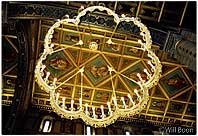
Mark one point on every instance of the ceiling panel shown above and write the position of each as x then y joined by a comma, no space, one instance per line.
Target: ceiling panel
169,100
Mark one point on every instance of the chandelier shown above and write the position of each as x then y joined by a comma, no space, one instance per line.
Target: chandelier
111,111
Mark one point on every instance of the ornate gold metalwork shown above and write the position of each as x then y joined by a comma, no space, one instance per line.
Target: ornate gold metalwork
103,119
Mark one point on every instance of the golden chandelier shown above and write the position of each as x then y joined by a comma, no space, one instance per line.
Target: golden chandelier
137,98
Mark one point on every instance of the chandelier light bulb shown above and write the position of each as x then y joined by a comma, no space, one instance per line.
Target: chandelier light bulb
131,100
145,70
48,73
109,106
122,98
123,15
149,62
63,102
57,97
86,106
52,45
102,110
147,73
139,76
43,67
115,102
136,92
72,105
47,76
94,114
54,82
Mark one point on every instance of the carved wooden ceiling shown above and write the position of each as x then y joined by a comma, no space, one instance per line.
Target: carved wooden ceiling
172,100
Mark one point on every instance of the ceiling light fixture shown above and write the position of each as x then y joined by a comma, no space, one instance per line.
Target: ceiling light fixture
110,112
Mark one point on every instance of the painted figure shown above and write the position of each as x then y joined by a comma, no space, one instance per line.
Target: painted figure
86,93
176,82
59,63
71,38
102,96
98,72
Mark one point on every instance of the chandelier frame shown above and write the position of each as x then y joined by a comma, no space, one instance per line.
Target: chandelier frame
82,111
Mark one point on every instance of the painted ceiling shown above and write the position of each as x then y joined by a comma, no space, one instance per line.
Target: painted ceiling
172,100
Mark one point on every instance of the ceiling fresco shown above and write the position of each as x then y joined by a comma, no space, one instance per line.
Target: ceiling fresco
172,100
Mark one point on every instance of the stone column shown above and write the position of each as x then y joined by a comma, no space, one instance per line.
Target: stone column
23,87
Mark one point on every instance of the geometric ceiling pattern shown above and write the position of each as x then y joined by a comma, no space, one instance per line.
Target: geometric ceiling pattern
172,100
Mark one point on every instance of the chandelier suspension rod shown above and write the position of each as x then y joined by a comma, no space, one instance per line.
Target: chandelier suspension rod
65,47
67,79
113,87
114,30
129,78
81,86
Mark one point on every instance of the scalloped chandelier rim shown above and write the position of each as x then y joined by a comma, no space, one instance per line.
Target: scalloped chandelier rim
103,119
